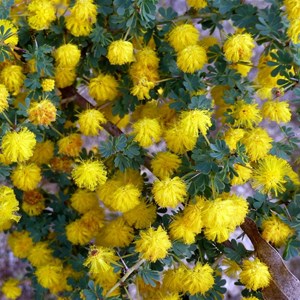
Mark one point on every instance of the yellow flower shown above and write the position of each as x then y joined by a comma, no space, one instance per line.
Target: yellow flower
78,233
164,164
294,30
82,17
179,230
233,136
270,173
182,36
199,279
147,131
67,55
8,205
93,220
244,173
276,111
49,275
33,203
194,120
48,85
11,289
153,244
147,58
41,14
232,269
83,201
90,121
40,254
239,47
192,214
197,4
141,216
175,279
100,259
120,52
20,243
3,98
276,231
257,142
245,114
26,177
191,59
116,233
103,88
43,153
292,8
208,41
42,113
178,141
255,275
13,78
250,298
18,146
89,174
70,145
64,76
169,192
142,88
242,68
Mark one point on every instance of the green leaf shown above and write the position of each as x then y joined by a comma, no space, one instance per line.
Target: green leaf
4,172
236,252
245,16
106,148
150,277
220,149
120,142
200,102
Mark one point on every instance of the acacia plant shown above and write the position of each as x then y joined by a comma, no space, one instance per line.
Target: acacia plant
125,131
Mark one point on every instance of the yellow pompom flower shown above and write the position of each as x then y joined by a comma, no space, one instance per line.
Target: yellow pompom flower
93,220
78,233
232,268
82,17
270,175
276,231
100,259
67,55
43,153
208,41
194,120
233,136
141,216
239,47
147,58
255,274
292,8
48,85
164,164
191,59
142,89
11,289
179,230
147,131
70,145
8,205
20,243
42,113
294,30
153,244
49,275
178,140
120,52
41,14
83,201
26,177
40,254
18,146
89,174
13,78
199,279
3,98
197,4
245,114
276,111
182,36
250,298
116,233
90,121
244,173
103,88
33,203
64,76
192,214
169,192
257,142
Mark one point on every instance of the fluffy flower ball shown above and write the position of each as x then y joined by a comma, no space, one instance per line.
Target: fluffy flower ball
120,52
3,98
89,174
8,205
153,244
42,113
11,289
67,55
90,121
